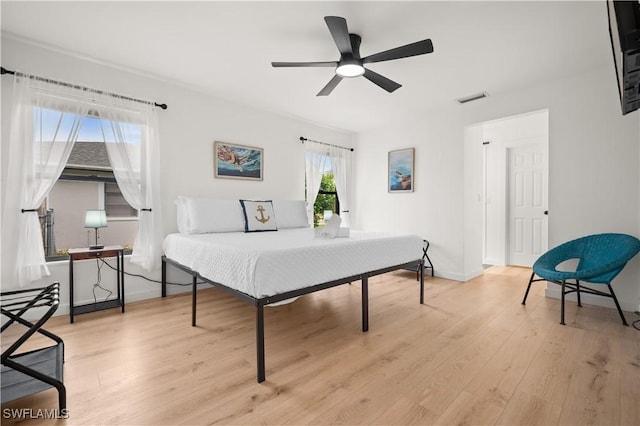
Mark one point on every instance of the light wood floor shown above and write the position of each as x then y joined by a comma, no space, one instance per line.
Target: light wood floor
472,354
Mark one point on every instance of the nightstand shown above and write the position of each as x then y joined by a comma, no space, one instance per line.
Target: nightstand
89,254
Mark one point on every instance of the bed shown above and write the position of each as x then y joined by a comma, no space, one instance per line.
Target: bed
264,268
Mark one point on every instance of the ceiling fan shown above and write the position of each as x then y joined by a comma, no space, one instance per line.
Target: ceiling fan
351,64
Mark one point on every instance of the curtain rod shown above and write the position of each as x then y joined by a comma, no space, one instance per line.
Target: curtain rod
303,140
3,71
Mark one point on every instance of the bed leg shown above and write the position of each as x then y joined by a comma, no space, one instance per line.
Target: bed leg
422,282
194,292
260,343
164,277
365,303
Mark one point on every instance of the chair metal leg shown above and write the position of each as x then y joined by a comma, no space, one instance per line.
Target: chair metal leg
524,301
562,306
615,299
578,291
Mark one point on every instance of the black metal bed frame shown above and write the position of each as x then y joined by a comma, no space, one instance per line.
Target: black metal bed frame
262,302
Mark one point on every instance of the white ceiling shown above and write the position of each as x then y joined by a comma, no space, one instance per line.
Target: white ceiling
225,48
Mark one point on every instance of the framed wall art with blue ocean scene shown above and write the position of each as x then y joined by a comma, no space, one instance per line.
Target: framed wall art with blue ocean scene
401,164
237,161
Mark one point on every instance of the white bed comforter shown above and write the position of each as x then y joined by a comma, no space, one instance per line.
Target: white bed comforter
264,264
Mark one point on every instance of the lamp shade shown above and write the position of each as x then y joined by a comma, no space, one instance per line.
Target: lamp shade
95,219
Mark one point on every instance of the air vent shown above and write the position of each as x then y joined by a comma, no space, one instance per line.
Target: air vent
473,97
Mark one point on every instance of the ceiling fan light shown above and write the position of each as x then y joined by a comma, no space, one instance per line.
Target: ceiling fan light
350,70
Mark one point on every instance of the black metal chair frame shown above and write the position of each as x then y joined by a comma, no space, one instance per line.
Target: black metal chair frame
14,306
575,287
600,257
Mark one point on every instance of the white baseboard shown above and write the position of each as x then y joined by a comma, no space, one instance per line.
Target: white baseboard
471,275
590,299
454,276
494,262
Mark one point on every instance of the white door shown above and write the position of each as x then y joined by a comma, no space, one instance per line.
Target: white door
527,203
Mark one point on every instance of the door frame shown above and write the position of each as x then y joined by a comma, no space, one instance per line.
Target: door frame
496,233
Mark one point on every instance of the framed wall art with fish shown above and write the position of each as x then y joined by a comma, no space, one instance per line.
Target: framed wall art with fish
234,161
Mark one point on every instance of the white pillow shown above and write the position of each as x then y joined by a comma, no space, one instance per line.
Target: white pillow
291,214
183,215
212,215
258,216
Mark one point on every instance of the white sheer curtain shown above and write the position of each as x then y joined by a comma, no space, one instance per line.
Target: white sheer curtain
46,119
321,158
45,122
316,162
130,130
341,159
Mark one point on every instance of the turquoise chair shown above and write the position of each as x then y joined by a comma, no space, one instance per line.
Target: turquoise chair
600,258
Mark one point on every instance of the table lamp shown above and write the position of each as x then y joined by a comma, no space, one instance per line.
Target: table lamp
95,219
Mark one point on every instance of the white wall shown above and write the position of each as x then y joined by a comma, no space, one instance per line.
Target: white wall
473,201
434,209
594,173
188,129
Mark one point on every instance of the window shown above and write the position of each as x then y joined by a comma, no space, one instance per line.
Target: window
87,182
327,202
327,174
115,205
47,118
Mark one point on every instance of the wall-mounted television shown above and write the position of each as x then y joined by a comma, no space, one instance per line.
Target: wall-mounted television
624,30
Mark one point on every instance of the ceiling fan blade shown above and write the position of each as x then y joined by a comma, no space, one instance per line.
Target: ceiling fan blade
382,81
304,64
326,90
340,33
413,49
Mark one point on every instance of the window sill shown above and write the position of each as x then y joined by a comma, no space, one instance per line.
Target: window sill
122,219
